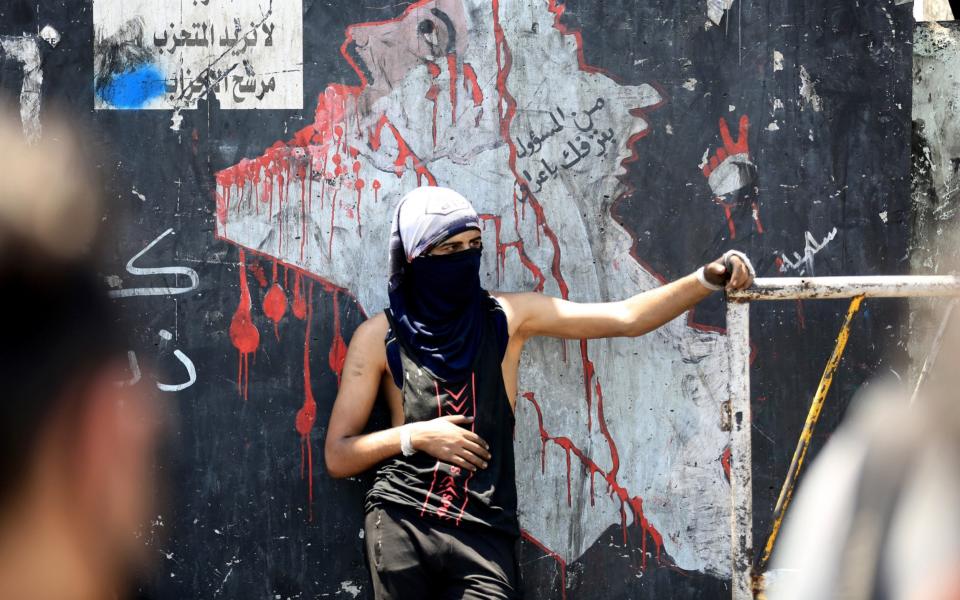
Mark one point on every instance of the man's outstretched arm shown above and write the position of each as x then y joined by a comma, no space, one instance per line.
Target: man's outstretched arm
532,314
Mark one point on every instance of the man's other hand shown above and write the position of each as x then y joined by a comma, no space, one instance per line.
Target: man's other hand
445,439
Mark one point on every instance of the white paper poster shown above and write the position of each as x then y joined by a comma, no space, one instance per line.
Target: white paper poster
167,54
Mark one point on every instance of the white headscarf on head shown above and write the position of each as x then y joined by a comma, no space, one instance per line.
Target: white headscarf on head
424,217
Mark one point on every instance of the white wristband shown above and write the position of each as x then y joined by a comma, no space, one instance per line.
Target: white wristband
701,277
406,444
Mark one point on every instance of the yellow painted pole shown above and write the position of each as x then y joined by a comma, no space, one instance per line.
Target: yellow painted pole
786,492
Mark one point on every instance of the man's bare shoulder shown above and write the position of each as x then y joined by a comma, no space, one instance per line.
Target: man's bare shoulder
517,305
367,350
368,341
516,302
511,300
370,335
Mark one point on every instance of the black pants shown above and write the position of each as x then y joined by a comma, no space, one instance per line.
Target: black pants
417,558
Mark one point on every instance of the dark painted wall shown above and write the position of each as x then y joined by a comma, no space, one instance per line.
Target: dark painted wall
829,145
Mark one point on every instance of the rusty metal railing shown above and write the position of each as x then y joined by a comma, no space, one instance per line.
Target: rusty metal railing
747,571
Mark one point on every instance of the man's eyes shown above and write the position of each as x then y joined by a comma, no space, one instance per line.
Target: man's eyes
452,248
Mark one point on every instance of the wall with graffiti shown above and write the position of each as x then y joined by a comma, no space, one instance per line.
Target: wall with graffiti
257,148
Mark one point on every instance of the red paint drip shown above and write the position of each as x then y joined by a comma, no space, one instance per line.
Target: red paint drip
243,333
223,207
359,187
333,216
452,70
725,462
299,304
325,175
280,173
307,415
588,373
517,244
376,190
338,348
404,153
374,134
432,95
256,269
275,303
305,174
477,92
338,169
635,503
470,76
728,215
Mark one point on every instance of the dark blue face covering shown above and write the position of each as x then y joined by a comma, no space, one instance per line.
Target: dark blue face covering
438,310
443,286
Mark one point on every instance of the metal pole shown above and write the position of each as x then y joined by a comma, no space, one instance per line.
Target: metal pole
738,386
821,288
741,462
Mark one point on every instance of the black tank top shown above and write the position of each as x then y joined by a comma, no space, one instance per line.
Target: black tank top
486,498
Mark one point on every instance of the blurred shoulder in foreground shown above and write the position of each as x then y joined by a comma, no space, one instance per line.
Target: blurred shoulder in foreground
76,449
878,513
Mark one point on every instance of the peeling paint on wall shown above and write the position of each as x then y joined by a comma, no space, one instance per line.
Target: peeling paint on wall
25,50
717,8
808,92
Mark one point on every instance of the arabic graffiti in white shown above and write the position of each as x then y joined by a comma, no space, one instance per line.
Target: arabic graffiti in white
803,263
161,290
168,290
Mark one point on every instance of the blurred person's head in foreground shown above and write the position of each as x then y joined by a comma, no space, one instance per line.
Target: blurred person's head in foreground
76,449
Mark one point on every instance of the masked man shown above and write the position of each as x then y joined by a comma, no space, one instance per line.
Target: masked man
442,512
